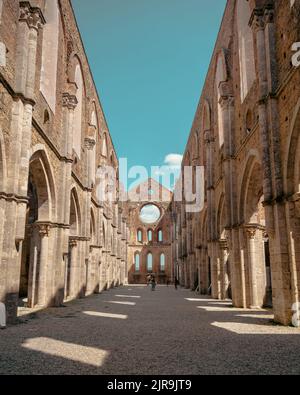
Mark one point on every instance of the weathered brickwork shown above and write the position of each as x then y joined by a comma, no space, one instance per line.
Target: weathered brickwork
57,241
149,249
246,132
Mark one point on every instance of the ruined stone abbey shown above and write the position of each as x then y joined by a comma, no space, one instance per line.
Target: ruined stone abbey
59,242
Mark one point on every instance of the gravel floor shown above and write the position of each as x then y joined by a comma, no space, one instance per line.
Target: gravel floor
131,330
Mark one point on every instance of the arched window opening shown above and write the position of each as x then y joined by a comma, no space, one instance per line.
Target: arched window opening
160,236
249,121
140,236
104,146
162,263
78,112
149,263
46,117
220,77
94,123
196,147
48,79
246,48
137,262
150,235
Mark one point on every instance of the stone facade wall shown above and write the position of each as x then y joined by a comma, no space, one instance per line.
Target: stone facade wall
157,246
244,243
57,240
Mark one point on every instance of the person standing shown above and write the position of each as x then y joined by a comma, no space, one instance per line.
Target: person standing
153,283
176,283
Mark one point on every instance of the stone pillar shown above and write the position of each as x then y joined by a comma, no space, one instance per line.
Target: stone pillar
262,22
90,146
66,258
44,230
31,20
73,268
223,246
237,265
34,236
215,271
69,103
209,156
251,233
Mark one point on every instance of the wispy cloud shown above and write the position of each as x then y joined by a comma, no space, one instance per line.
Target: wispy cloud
173,160
171,168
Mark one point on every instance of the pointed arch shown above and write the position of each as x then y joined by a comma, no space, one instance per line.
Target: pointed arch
48,80
93,228
206,130
149,262
137,262
113,159
220,76
196,146
104,150
292,168
41,174
206,117
221,217
75,75
162,262
150,235
139,235
94,117
246,47
75,216
251,189
160,236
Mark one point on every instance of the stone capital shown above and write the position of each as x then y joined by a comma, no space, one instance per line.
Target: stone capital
43,229
226,102
207,137
251,232
89,143
73,243
33,16
257,20
223,244
269,15
69,101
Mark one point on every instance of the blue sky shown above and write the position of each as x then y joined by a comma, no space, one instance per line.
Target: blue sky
149,59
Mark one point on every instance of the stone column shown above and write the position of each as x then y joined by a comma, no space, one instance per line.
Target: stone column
90,146
208,143
33,236
262,22
31,20
215,270
251,233
73,268
258,25
44,230
69,103
66,273
223,247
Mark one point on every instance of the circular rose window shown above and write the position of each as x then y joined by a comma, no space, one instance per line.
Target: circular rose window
149,214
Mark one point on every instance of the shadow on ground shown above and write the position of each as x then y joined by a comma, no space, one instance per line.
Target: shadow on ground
131,330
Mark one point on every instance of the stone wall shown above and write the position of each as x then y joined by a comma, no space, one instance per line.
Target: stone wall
55,234
247,235
158,245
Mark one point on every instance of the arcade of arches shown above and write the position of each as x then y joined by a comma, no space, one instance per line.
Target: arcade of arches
59,242
244,244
